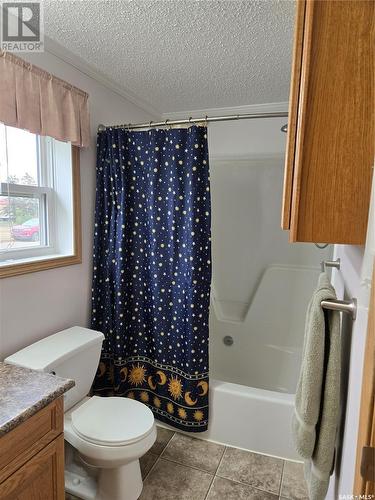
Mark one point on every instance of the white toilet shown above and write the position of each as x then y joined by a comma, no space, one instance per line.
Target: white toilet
105,437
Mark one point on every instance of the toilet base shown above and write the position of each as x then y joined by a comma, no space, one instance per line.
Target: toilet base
121,483
93,483
80,486
80,480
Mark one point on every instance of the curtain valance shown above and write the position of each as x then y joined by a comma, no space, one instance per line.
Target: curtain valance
35,100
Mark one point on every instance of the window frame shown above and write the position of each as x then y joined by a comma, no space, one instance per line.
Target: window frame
40,260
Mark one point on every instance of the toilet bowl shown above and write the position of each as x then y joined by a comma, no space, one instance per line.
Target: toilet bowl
104,437
109,434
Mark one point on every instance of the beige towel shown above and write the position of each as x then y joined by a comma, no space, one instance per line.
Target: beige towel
317,402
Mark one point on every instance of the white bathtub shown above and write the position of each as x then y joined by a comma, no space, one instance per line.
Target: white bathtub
250,418
253,381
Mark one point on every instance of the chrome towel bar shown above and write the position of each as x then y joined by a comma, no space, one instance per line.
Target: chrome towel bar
330,263
346,306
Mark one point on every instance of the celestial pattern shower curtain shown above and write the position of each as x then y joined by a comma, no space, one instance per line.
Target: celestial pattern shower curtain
152,270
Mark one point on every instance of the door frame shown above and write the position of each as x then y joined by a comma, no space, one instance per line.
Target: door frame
366,428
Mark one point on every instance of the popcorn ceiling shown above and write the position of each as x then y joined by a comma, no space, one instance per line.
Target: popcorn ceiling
182,54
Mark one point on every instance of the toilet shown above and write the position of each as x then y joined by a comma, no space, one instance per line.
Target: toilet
104,437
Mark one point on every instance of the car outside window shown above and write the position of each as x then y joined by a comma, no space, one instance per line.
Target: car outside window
39,187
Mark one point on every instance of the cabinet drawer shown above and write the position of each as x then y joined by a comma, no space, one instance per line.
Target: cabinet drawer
22,443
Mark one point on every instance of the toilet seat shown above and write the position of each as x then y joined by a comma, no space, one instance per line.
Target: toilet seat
112,421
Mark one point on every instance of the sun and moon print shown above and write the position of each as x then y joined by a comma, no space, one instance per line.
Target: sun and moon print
152,270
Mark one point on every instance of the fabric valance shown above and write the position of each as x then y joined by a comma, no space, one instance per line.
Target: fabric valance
35,100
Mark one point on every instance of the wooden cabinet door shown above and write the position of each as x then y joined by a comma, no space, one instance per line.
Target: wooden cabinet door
41,478
330,150
20,444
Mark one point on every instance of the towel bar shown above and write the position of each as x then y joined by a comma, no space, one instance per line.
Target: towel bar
330,263
347,306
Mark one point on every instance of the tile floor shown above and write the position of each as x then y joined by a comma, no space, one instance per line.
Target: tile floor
180,467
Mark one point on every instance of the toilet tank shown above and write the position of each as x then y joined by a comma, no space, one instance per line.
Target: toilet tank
73,353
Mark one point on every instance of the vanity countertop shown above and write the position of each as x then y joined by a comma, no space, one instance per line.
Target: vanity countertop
24,392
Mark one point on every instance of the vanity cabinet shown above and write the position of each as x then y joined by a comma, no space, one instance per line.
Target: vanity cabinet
32,457
330,143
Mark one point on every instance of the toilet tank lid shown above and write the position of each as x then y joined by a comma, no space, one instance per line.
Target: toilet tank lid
46,353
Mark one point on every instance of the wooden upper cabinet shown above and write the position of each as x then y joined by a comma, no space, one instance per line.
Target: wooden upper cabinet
330,144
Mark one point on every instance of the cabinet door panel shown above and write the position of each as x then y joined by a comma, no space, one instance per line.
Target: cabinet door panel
23,442
41,478
334,136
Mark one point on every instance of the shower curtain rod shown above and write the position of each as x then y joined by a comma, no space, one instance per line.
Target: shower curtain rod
192,121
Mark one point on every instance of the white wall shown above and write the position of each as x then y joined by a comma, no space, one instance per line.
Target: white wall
347,283
246,138
38,304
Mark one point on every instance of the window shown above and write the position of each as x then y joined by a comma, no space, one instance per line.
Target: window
39,202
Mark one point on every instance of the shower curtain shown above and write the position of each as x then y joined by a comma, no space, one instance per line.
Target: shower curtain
152,270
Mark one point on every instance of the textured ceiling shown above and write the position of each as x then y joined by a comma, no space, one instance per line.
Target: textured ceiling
182,54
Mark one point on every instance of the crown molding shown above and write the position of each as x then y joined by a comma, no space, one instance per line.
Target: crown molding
89,70
272,107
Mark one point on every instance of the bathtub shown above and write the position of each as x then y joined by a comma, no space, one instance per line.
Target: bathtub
250,418
253,380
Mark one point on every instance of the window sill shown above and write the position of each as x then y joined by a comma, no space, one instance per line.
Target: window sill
35,264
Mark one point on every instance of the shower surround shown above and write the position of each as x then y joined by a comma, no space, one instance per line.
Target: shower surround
261,286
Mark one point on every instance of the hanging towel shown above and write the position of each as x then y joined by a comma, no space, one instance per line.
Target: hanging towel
317,402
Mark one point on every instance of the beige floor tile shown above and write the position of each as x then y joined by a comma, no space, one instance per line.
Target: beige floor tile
194,452
163,437
256,470
171,481
293,485
146,462
224,489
